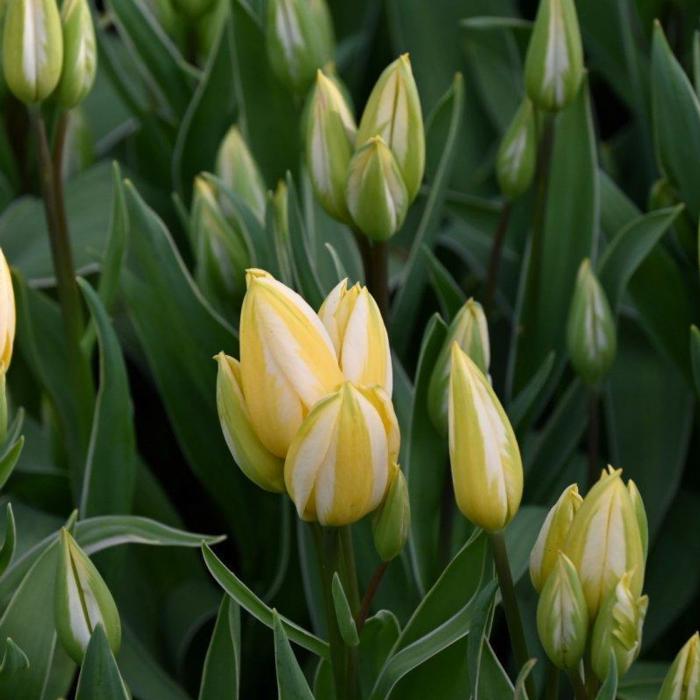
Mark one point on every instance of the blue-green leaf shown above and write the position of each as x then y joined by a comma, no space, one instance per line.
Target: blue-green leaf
99,674
291,683
222,664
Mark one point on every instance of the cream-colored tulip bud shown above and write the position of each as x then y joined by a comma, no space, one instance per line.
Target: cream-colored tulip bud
337,467
470,331
32,49
355,325
394,112
618,628
288,361
392,521
238,170
562,616
553,535
487,470
641,513
682,681
605,540
517,154
255,461
8,318
79,54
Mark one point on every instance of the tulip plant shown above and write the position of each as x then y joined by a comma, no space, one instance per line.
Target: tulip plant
395,301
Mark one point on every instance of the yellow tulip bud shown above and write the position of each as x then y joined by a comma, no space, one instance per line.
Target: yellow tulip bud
385,408
641,514
605,541
355,325
254,460
553,535
618,628
682,681
487,470
288,361
7,315
32,49
337,467
393,112
392,521
79,54
517,154
470,331
562,617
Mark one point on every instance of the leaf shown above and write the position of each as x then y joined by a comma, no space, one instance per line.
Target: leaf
479,636
695,356
343,614
232,585
520,692
8,546
520,537
608,691
377,638
9,459
523,404
408,296
108,479
14,660
222,664
291,683
449,293
99,674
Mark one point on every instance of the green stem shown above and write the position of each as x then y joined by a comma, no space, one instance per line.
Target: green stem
551,691
375,260
593,436
577,684
510,605
348,576
371,591
495,259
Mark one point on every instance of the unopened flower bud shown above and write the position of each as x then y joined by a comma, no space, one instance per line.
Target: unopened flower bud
392,520
7,315
517,154
682,681
79,54
554,62
591,336
470,331
641,513
375,192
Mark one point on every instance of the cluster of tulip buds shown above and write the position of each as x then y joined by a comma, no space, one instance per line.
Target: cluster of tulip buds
588,566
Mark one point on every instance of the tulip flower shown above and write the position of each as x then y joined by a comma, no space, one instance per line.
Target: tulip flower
7,315
288,361
517,154
394,112
32,49
487,470
553,535
470,331
337,467
682,681
79,54
618,628
562,617
355,325
605,540
392,521
554,61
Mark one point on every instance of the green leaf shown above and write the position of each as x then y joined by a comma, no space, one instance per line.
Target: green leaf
14,660
222,664
291,683
608,691
409,295
695,356
8,546
343,614
520,692
521,407
449,294
377,638
478,640
99,674
520,537
643,681
232,585
9,460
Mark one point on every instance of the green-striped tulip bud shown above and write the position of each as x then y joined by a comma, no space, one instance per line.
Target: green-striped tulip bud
392,519
553,535
470,331
32,49
590,335
254,460
618,628
393,112
517,154
82,601
682,681
299,40
562,616
238,170
554,62
330,139
193,8
375,191
79,54
641,513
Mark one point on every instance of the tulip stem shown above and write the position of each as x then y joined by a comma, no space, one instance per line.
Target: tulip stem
510,605
375,260
593,436
371,591
491,282
577,684
551,691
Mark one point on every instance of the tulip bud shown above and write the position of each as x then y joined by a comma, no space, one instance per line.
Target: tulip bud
393,519
487,471
562,617
385,408
682,681
193,8
299,40
32,49
330,139
288,361
554,62
618,628
517,154
79,56
375,191
641,513
237,169
254,460
355,325
470,331
337,468
590,334
7,315
605,541
393,112
553,535
82,601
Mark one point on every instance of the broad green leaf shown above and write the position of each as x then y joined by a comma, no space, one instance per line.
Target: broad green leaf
343,613
477,642
99,674
520,537
9,459
13,660
291,683
520,692
449,294
522,406
643,681
7,549
494,683
222,664
377,638
608,691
